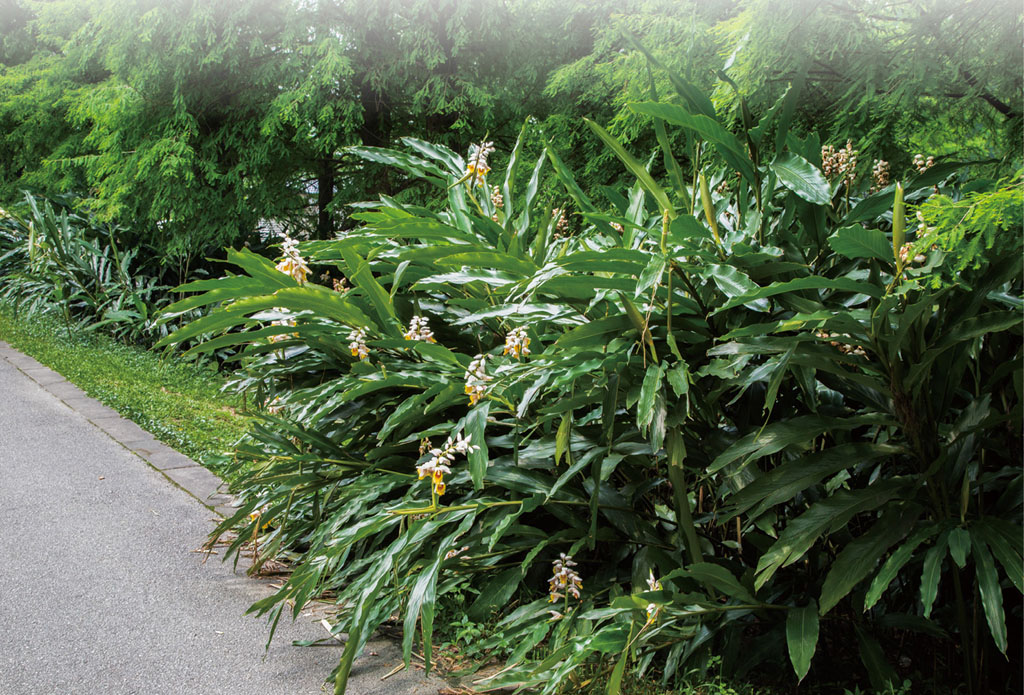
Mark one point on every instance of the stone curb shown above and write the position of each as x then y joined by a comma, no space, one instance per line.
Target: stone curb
179,469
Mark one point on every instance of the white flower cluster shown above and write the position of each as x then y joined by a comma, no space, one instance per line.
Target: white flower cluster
476,379
921,164
419,330
357,343
292,263
517,343
437,467
477,167
289,322
497,199
564,578
652,608
839,163
880,174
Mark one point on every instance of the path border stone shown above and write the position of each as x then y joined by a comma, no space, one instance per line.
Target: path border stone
209,489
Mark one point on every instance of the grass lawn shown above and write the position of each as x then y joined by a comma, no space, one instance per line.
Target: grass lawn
179,402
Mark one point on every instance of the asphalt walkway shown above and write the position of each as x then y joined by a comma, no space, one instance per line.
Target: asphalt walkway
102,590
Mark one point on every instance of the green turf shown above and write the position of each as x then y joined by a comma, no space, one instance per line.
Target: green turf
181,403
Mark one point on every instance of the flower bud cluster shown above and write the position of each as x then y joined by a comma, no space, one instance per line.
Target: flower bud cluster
617,227
517,343
477,167
357,343
292,263
476,379
497,199
455,552
440,459
880,175
841,162
905,255
418,330
561,224
564,579
844,348
921,164
340,285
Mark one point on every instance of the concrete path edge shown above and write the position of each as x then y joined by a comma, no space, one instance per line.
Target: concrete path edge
183,472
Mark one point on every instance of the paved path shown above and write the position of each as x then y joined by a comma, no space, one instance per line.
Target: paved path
101,590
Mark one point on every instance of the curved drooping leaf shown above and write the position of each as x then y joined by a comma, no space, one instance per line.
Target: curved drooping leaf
855,241
803,178
802,637
858,559
708,128
824,516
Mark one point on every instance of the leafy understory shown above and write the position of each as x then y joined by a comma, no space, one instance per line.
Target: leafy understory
740,415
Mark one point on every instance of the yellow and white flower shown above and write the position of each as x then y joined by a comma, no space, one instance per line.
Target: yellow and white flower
437,467
476,379
292,263
357,343
477,167
564,579
419,330
517,343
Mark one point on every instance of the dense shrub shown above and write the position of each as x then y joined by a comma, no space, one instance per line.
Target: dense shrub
64,263
757,412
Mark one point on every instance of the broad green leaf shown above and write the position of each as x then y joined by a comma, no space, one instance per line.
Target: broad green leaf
360,275
1005,546
855,241
803,178
782,483
859,557
991,594
708,128
880,671
802,637
417,228
824,516
568,180
959,546
779,435
932,572
650,276
717,577
562,438
650,387
476,423
734,283
490,260
695,98
895,563
403,160
615,680
800,284
439,353
635,167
